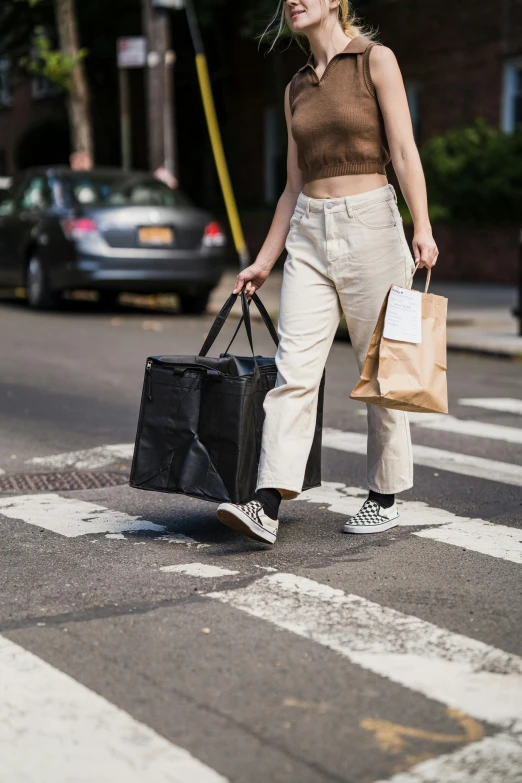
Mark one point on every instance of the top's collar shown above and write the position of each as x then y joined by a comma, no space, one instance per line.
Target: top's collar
357,45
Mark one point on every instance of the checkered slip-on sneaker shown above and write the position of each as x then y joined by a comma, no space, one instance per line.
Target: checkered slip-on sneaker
372,518
249,519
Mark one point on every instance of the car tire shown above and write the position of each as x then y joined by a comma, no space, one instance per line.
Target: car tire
194,304
108,300
37,289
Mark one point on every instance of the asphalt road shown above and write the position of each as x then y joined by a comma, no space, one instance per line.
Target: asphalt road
327,658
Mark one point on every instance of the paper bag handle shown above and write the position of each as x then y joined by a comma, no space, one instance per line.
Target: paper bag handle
428,277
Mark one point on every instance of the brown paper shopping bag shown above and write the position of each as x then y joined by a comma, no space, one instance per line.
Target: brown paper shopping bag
408,376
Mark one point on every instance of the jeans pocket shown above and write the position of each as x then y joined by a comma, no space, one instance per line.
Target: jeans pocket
296,218
378,215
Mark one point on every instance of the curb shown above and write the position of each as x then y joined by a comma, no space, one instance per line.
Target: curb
493,353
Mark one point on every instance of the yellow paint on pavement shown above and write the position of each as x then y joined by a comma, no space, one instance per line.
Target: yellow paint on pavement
394,738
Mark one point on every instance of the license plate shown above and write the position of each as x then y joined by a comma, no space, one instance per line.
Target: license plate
156,235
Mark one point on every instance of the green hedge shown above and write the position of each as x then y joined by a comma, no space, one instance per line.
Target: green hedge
473,175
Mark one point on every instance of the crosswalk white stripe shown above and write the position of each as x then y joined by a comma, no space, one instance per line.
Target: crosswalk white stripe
502,404
480,536
70,517
477,535
464,464
477,429
85,459
463,673
52,729
496,759
203,570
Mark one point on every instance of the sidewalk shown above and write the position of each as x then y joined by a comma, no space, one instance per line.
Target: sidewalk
480,316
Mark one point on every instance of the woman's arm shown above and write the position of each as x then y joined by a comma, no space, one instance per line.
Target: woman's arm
255,275
391,95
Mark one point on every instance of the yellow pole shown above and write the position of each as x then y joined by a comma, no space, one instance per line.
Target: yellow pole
219,157
215,135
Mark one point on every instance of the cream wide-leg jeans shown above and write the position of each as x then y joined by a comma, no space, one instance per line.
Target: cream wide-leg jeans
343,255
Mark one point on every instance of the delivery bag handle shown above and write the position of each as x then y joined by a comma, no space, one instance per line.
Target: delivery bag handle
225,312
220,321
428,277
266,319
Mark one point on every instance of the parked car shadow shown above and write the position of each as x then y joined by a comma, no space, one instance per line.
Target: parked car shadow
86,302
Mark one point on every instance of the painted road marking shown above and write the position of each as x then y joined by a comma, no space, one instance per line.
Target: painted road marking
70,517
496,759
395,738
199,569
502,404
52,728
480,536
477,535
86,459
464,464
476,429
462,673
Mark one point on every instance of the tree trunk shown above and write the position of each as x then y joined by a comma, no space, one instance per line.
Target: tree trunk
78,103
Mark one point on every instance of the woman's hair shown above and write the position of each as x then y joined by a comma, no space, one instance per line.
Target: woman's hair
278,28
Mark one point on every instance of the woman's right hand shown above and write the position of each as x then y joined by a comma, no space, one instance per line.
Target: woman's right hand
251,278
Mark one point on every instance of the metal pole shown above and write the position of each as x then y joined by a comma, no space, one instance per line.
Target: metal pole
125,123
169,134
154,26
215,137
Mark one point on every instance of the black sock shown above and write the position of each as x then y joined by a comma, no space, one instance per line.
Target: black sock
270,499
385,501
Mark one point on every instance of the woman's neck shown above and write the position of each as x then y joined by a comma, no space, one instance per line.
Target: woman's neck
324,46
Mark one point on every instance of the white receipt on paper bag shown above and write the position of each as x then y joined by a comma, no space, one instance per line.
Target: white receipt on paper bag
403,319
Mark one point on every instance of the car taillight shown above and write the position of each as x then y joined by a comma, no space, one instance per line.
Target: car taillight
78,228
213,235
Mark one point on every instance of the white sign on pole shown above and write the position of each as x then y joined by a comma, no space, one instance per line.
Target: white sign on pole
132,52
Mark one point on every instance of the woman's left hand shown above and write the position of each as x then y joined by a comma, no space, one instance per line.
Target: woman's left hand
425,250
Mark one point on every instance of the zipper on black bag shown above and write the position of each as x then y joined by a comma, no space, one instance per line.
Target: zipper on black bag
149,380
178,371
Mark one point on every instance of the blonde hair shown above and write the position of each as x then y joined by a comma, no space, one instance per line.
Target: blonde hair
278,27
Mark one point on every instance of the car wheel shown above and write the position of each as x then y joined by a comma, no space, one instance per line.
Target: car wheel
194,304
38,292
108,300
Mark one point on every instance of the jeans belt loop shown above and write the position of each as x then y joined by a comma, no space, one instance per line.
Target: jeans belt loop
393,191
348,207
308,207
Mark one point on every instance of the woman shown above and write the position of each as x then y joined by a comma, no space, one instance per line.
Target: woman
347,116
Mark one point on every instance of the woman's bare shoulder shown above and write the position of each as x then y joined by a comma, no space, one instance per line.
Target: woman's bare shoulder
382,56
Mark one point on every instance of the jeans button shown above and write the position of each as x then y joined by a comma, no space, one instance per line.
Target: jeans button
329,205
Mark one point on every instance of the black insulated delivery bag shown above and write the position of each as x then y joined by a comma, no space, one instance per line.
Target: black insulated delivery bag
201,419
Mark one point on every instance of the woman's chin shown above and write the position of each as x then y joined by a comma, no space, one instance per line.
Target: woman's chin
297,25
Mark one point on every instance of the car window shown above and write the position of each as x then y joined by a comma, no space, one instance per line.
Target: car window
9,196
7,203
120,190
36,195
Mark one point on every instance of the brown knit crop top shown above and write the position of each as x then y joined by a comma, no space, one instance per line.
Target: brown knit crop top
337,123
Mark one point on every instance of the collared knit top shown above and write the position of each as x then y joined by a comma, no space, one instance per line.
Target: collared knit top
337,123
